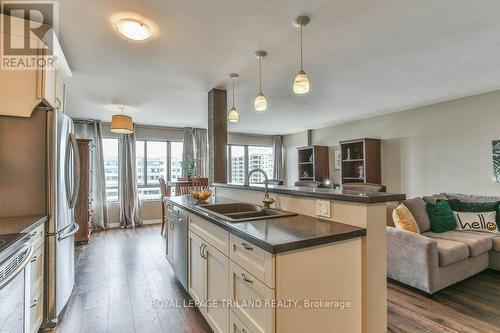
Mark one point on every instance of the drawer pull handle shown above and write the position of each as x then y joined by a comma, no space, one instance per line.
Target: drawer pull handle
243,330
244,277
33,234
247,247
202,247
33,303
35,258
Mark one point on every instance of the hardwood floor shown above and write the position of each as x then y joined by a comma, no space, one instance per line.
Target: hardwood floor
470,306
119,275
122,272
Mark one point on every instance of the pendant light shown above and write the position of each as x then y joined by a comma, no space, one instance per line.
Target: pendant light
122,124
233,115
260,100
301,82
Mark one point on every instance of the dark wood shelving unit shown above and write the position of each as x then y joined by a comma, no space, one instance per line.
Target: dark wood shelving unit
361,161
313,163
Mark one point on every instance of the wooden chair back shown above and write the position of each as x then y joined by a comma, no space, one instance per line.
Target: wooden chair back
183,188
200,183
182,179
163,192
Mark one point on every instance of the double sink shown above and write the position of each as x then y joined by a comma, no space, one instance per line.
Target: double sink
243,212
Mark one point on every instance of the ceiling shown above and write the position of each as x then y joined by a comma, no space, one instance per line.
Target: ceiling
363,57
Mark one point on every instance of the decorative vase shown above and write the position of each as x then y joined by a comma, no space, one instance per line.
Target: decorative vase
190,177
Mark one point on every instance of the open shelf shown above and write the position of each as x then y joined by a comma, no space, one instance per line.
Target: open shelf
313,163
360,161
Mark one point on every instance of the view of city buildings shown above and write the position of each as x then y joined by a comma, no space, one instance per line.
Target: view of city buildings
155,155
258,157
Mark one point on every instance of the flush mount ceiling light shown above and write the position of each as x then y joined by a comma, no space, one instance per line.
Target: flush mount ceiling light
134,29
233,115
122,124
260,100
301,82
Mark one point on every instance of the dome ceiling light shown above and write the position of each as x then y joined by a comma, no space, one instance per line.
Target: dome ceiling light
134,29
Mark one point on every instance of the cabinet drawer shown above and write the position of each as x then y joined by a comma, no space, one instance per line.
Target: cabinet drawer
36,270
36,311
236,325
37,236
212,234
246,289
257,261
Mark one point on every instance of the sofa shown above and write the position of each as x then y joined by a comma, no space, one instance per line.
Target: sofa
432,261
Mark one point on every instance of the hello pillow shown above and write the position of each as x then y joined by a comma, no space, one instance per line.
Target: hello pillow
482,222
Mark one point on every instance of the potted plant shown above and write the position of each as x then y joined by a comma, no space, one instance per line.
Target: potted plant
188,167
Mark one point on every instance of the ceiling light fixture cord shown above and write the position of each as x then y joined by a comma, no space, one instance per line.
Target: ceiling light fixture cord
233,92
260,74
301,26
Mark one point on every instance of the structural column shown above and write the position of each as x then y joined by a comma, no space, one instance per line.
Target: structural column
217,135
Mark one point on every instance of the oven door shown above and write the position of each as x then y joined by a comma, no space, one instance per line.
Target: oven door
15,293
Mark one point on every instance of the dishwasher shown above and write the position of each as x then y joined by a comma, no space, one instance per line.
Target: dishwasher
180,245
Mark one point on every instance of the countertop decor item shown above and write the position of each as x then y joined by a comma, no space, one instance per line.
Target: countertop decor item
233,115
301,83
260,100
121,123
201,196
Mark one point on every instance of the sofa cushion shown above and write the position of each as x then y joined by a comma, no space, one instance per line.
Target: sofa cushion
477,242
418,209
471,198
441,216
450,251
476,207
433,198
496,244
404,220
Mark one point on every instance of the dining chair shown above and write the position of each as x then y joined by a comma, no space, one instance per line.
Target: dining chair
200,183
183,188
182,179
163,192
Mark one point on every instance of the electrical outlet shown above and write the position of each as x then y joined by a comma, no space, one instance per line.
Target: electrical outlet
323,208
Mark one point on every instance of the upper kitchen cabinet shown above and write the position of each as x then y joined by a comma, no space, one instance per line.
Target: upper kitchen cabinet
23,85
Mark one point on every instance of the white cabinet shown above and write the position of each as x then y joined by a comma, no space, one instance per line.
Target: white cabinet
21,90
236,325
196,268
37,238
208,282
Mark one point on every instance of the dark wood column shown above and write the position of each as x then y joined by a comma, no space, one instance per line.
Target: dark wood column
217,135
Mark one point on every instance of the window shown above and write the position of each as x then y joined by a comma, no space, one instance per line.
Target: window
175,160
111,168
151,165
242,159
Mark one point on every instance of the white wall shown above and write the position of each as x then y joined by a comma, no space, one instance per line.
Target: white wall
443,147
249,139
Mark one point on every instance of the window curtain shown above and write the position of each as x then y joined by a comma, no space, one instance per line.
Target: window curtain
91,129
130,209
278,157
201,151
187,144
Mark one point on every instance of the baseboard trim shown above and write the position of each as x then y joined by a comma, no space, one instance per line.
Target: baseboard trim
145,222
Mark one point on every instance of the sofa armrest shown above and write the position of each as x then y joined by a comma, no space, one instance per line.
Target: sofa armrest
412,259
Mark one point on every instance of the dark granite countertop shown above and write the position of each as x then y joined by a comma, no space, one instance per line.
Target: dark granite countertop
279,234
322,193
22,224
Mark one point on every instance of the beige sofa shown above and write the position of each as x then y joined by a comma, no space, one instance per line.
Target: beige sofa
432,261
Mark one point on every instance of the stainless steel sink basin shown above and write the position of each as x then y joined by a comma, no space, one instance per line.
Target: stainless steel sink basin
241,212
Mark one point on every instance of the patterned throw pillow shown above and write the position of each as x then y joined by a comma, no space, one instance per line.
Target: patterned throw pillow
482,222
476,207
404,220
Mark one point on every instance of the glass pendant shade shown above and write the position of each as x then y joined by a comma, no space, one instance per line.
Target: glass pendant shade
122,124
301,83
233,115
260,102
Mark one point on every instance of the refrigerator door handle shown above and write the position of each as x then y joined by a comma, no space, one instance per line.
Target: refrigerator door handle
72,197
73,230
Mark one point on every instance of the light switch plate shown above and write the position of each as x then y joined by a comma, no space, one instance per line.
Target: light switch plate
323,208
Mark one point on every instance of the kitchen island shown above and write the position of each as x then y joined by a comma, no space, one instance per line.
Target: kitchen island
361,209
285,274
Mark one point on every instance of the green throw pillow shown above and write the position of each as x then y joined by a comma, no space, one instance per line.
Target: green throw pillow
475,207
441,216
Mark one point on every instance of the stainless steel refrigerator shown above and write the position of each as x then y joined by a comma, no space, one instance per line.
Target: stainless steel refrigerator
39,175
